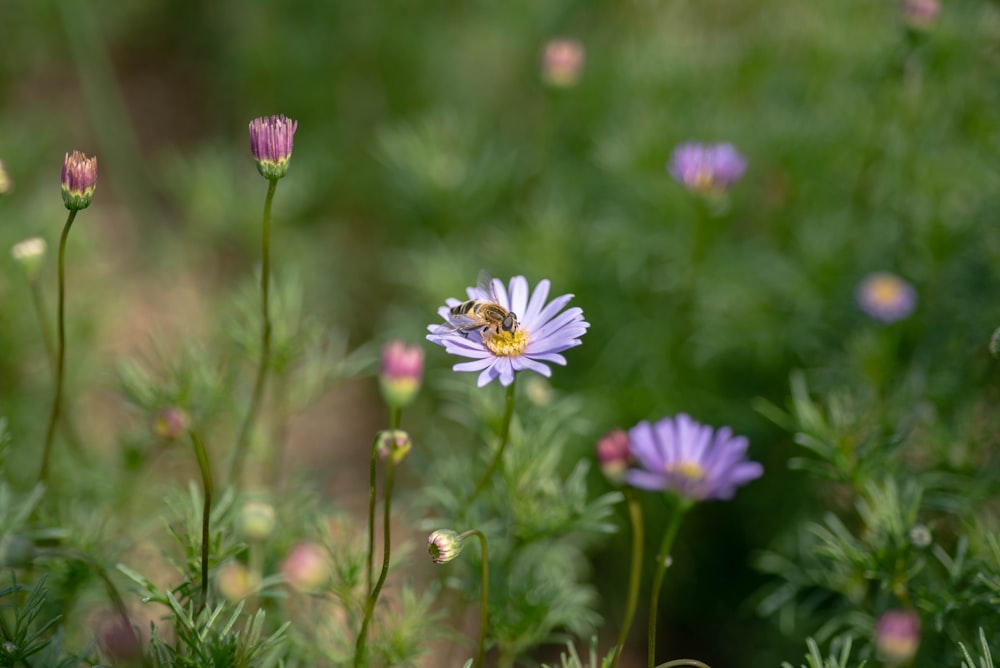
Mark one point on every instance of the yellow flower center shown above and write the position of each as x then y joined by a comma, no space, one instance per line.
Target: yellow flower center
885,290
506,344
690,470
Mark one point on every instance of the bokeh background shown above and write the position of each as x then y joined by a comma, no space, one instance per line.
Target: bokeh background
430,146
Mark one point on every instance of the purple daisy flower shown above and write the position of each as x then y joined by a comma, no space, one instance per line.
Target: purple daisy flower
537,333
707,168
886,297
690,459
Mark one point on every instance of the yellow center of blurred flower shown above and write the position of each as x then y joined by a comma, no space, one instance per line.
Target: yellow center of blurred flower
690,470
506,344
885,290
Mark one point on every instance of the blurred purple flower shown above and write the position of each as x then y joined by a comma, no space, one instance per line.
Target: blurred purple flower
542,333
707,168
271,140
690,459
886,297
897,636
614,455
401,372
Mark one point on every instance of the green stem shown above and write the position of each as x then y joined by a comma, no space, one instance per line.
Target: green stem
371,517
635,573
683,662
662,561
206,513
68,429
504,438
239,452
43,475
484,615
359,653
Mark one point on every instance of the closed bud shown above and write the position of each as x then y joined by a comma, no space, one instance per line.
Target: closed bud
614,455
401,373
307,567
257,520
120,641
271,139
171,423
30,254
921,15
920,536
897,636
235,581
562,62
444,545
79,180
6,183
393,444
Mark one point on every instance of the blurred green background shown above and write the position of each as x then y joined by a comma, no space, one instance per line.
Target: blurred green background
430,147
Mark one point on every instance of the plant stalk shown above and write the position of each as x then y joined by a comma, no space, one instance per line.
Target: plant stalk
504,438
635,572
662,561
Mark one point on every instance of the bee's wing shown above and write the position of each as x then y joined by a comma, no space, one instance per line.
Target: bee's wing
485,284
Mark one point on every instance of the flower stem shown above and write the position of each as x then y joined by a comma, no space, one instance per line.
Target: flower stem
206,513
239,453
484,615
68,429
43,475
394,417
662,561
504,438
635,573
359,652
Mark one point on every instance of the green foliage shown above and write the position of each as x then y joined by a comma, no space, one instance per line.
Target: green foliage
840,653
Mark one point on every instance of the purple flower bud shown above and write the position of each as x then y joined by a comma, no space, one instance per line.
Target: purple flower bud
897,636
401,374
79,179
562,62
271,144
171,423
120,642
614,455
921,14
394,444
307,567
707,168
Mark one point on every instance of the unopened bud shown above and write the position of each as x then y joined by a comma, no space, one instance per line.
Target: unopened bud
897,636
171,423
235,581
444,545
257,520
79,180
271,140
920,536
401,373
30,254
6,183
307,567
614,455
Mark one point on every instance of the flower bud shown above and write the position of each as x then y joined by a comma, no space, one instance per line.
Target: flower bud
271,139
401,373
171,423
562,62
307,567
921,15
79,179
393,444
257,520
119,641
897,636
920,536
614,456
6,183
235,581
30,254
444,545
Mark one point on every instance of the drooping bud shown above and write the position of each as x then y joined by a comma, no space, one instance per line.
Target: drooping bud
897,636
614,455
307,567
444,545
271,139
394,444
921,15
401,373
171,423
30,254
257,520
562,62
79,180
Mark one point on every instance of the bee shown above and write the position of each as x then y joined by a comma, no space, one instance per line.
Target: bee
481,314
